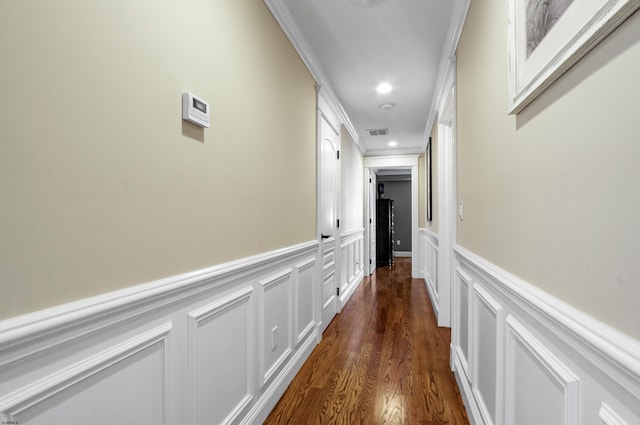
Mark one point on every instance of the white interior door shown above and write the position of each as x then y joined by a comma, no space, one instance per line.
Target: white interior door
373,195
329,147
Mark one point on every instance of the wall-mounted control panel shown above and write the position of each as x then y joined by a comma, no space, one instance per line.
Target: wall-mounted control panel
195,110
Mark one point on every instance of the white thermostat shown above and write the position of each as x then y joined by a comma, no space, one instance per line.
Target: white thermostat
195,110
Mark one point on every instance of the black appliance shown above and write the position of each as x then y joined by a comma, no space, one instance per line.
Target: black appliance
385,234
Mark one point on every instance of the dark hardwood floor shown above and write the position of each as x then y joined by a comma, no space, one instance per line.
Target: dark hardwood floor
383,360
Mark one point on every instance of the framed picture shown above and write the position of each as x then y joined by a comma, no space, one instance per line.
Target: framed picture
429,183
546,37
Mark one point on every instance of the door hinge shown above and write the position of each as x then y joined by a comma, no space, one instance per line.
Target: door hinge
370,221
370,181
370,261
338,223
338,291
338,154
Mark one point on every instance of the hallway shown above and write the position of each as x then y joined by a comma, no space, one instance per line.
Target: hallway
382,360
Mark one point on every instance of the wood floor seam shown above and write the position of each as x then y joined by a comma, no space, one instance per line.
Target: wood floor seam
382,360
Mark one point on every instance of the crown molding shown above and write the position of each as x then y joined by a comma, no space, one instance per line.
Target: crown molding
285,19
447,60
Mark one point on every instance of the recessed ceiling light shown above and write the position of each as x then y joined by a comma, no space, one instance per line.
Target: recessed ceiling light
392,143
384,88
367,3
387,106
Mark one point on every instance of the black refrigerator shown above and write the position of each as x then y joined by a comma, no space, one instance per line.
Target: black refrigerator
384,232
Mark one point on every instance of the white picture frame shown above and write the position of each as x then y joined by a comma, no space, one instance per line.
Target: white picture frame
577,28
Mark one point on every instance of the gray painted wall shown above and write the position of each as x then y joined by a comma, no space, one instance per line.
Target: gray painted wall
400,192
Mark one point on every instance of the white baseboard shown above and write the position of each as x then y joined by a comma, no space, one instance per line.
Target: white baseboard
402,254
162,352
534,359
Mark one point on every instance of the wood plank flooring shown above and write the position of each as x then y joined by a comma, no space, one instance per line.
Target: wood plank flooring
383,360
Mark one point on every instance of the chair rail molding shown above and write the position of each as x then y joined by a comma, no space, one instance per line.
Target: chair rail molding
571,368
236,333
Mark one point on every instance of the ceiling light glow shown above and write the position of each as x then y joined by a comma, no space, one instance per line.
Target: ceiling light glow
367,3
384,88
392,143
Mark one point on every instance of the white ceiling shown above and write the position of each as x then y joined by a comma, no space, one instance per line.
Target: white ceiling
353,48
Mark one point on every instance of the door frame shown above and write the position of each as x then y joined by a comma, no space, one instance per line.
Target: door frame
327,112
447,192
373,163
370,181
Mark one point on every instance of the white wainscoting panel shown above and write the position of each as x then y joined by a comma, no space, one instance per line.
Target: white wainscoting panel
539,389
486,353
197,348
523,357
609,417
304,311
352,267
277,326
461,329
428,263
329,283
79,390
220,333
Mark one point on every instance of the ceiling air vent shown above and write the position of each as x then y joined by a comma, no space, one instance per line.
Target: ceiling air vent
378,132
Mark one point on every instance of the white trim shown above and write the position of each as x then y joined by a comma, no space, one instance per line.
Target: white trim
370,219
458,18
354,233
498,312
283,16
402,253
428,253
30,334
301,335
276,279
396,151
415,222
463,383
518,334
528,78
203,313
390,161
614,353
609,417
101,332
352,269
585,359
272,394
447,174
26,397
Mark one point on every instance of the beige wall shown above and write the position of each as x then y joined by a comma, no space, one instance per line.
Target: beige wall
422,187
550,194
351,183
104,186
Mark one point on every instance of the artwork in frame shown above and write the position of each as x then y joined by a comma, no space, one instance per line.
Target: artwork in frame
429,183
547,37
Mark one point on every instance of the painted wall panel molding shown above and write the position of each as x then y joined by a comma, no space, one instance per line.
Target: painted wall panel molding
609,417
36,332
18,402
214,347
521,341
163,351
485,363
548,354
